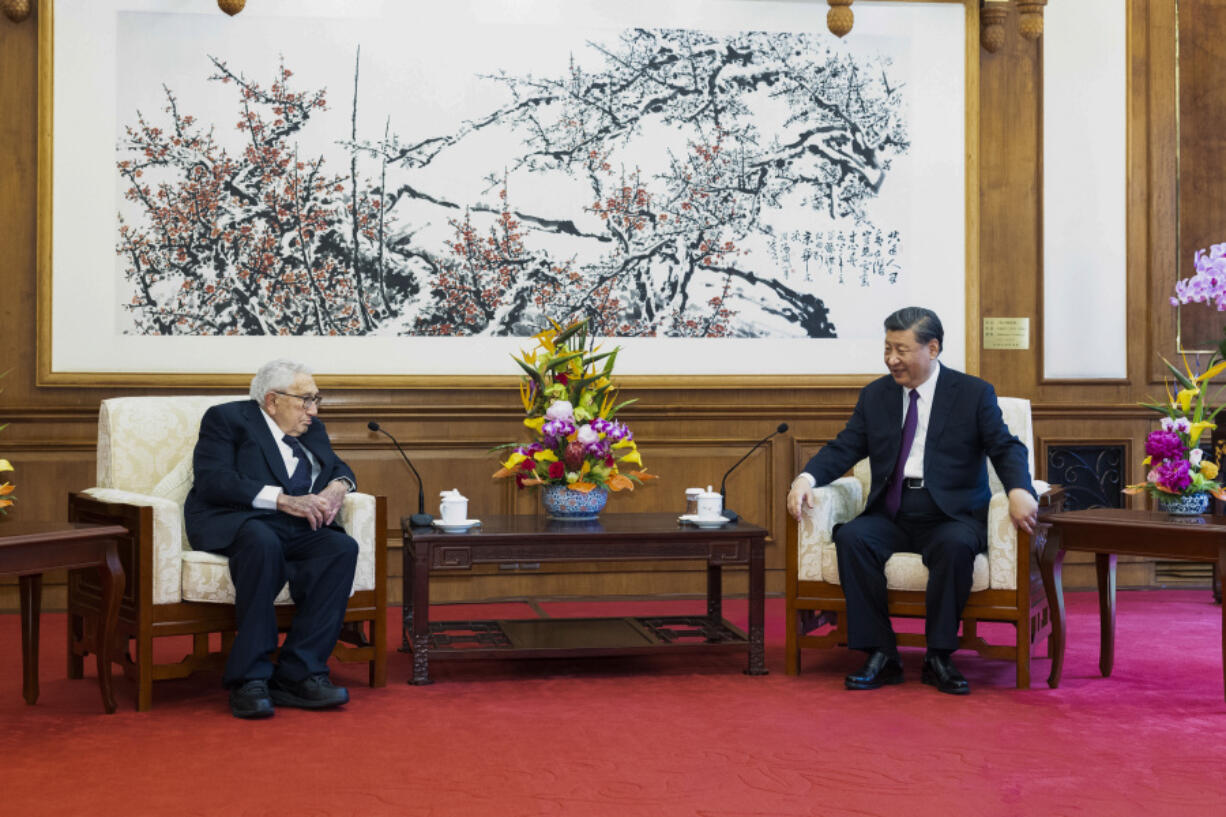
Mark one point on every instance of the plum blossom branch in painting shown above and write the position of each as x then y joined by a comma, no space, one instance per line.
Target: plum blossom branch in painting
700,185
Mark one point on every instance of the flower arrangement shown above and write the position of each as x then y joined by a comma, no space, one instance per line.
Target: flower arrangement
1177,466
6,488
569,400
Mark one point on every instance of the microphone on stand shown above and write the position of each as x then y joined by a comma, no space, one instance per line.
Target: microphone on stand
420,519
733,515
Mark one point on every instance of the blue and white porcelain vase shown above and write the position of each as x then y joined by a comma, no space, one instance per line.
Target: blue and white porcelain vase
562,503
1185,504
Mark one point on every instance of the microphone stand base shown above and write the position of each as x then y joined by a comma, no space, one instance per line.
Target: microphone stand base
730,515
421,520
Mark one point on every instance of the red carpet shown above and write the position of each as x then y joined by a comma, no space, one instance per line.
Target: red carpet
651,737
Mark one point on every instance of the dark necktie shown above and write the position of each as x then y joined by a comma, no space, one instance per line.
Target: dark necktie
893,495
300,480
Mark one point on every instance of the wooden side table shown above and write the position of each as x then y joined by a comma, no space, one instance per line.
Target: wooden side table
1107,533
29,549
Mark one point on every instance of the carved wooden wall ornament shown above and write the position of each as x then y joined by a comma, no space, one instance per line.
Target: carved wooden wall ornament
15,10
840,17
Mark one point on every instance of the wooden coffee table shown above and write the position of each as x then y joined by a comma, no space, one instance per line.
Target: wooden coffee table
1107,533
614,537
29,549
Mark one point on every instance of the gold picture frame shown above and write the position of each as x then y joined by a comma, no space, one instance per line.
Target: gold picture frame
806,372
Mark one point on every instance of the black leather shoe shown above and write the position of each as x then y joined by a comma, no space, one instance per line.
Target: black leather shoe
251,700
940,672
879,669
312,692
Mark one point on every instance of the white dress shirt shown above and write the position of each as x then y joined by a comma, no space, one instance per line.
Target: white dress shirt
914,466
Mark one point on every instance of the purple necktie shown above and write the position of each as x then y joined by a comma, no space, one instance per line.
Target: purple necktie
893,495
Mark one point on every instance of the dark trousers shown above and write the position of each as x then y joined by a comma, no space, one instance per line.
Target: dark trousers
319,566
947,547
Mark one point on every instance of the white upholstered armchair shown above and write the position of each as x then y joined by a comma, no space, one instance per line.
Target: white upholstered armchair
145,447
1006,584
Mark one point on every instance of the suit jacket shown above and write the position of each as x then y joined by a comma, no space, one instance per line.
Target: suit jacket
235,458
965,429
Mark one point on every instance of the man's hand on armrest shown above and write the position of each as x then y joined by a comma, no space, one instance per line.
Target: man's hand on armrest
312,507
334,495
1023,509
800,496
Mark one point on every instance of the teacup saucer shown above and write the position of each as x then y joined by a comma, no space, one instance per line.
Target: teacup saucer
703,521
456,527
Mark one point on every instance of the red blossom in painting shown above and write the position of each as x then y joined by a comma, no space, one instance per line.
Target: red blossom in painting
251,243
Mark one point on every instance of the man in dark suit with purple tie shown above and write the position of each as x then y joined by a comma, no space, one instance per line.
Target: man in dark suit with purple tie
928,432
267,491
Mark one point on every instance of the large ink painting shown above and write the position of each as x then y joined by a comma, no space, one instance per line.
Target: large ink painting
408,176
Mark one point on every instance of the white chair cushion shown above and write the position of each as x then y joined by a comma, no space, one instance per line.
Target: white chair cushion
177,484
357,517
206,577
142,439
834,504
904,571
168,541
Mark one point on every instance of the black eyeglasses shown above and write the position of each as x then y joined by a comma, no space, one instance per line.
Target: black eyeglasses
308,400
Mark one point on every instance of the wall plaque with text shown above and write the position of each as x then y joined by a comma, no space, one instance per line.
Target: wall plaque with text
1006,333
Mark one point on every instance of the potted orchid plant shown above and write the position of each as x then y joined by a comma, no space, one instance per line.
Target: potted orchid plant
579,450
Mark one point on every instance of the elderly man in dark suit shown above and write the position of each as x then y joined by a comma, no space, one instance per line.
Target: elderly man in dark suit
267,491
928,431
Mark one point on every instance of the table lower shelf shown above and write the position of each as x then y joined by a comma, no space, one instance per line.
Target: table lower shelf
566,637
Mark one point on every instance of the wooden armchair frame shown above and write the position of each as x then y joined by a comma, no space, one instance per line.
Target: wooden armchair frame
815,608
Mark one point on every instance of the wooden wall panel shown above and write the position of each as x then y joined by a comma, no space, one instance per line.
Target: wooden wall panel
689,436
1010,243
1202,151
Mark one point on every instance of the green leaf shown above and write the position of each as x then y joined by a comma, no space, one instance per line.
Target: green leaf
1160,408
569,332
555,363
532,372
589,361
620,406
608,366
579,385
1183,379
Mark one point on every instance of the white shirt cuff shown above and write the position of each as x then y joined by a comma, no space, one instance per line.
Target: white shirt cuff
348,483
266,499
808,478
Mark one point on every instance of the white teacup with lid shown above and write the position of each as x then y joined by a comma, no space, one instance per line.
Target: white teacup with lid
710,504
691,500
453,507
